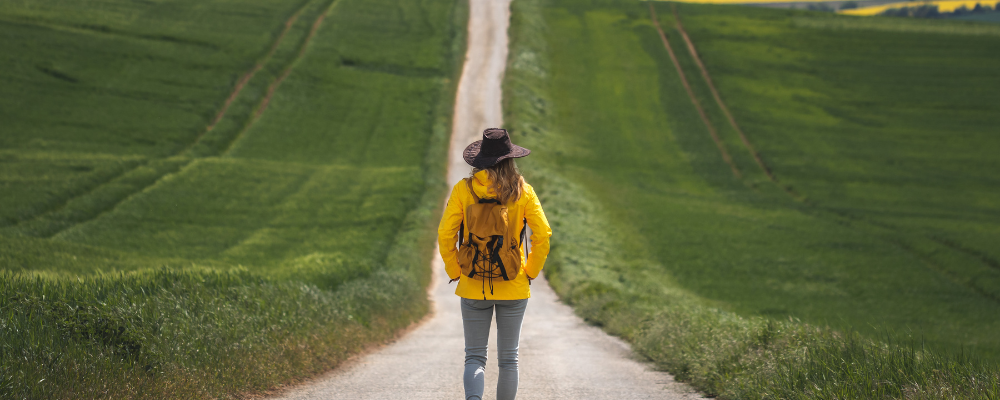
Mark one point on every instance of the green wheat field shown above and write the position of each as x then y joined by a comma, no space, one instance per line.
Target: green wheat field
165,237
214,198
867,268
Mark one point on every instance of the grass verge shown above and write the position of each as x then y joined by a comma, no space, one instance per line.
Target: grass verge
659,244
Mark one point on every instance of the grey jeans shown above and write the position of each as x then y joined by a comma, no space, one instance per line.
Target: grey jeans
477,315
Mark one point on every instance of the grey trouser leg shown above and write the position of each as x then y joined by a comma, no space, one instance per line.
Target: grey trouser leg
477,315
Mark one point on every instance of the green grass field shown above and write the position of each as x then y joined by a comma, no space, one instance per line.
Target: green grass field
199,199
902,150
879,225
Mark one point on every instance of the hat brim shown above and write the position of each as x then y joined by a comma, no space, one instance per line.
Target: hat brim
472,157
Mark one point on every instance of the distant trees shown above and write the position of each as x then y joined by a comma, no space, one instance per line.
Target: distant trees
819,7
847,5
924,11
931,11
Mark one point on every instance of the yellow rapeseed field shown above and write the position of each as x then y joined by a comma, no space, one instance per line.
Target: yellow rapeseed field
943,6
747,1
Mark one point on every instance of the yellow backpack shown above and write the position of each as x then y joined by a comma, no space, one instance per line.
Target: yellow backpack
488,250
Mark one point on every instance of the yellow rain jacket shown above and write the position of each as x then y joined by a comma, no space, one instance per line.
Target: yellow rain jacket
528,207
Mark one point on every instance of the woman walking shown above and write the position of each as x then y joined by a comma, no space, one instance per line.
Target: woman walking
486,217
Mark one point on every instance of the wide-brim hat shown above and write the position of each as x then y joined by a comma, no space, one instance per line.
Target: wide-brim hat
494,147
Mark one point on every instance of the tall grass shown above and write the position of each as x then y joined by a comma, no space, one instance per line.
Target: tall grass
187,333
605,160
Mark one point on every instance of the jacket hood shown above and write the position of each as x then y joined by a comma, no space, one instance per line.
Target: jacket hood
481,185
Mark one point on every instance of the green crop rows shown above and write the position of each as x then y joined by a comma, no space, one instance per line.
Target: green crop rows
900,150
865,270
199,199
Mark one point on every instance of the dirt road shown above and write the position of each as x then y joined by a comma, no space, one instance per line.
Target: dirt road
561,357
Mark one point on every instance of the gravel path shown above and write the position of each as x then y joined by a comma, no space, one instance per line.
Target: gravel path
561,357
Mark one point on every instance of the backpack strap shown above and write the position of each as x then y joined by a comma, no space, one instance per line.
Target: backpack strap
461,232
524,231
520,246
461,228
468,181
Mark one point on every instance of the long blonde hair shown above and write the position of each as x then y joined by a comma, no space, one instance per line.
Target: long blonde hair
505,180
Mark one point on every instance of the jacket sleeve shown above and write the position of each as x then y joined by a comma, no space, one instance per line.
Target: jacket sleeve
448,233
540,234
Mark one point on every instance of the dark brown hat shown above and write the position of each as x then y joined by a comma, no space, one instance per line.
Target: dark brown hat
494,147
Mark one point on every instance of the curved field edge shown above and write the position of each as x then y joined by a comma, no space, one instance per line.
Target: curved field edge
211,330
602,267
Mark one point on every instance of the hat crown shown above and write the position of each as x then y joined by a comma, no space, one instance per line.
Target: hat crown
494,147
496,142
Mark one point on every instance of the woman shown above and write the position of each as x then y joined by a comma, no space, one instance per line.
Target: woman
496,178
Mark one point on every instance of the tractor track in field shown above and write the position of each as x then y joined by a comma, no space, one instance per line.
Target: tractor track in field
240,84
561,356
931,263
273,87
694,99
255,115
715,94
250,74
